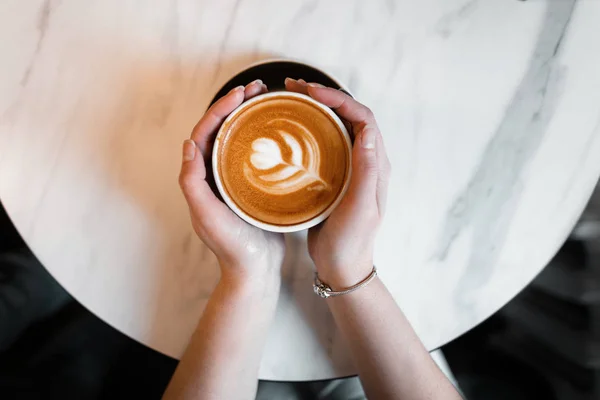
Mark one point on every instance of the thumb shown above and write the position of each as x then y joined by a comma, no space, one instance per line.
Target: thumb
193,172
203,204
363,184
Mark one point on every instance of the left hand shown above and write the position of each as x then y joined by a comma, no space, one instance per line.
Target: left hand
244,251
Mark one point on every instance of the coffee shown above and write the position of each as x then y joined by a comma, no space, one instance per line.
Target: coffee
283,160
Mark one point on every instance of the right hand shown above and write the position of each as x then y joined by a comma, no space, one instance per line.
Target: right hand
342,246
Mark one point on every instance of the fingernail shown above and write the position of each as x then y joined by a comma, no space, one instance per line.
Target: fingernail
189,150
312,84
290,80
256,82
302,81
236,89
368,138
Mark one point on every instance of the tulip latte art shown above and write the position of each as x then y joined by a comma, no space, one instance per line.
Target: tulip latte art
283,160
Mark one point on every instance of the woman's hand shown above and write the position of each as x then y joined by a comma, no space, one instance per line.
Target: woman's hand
244,252
342,247
230,337
391,360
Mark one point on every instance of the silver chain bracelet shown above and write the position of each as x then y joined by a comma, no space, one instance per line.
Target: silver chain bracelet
324,290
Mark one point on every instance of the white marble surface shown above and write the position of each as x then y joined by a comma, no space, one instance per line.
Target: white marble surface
490,111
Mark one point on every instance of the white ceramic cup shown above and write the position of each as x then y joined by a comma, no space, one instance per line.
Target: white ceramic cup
248,218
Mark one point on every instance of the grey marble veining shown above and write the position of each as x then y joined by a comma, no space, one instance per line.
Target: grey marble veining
487,202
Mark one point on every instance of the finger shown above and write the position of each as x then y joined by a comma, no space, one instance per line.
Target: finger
383,175
345,106
204,206
254,89
205,130
362,191
298,86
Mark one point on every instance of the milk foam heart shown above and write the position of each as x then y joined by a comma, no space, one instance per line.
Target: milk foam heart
287,176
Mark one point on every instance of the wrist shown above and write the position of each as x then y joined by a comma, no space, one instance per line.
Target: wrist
340,277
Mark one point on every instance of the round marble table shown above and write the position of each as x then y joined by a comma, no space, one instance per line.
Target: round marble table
490,112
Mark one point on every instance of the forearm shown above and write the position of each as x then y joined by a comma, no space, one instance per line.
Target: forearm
223,357
391,360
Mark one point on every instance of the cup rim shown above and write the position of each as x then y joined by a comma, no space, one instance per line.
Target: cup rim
274,59
267,226
298,61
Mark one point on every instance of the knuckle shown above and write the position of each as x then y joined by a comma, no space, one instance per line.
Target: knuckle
387,170
369,114
372,218
385,176
185,182
180,180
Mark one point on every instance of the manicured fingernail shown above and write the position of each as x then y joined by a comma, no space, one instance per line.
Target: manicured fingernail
189,150
290,80
237,89
302,81
312,84
368,138
256,82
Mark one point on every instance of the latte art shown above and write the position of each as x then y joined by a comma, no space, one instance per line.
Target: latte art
282,160
273,174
